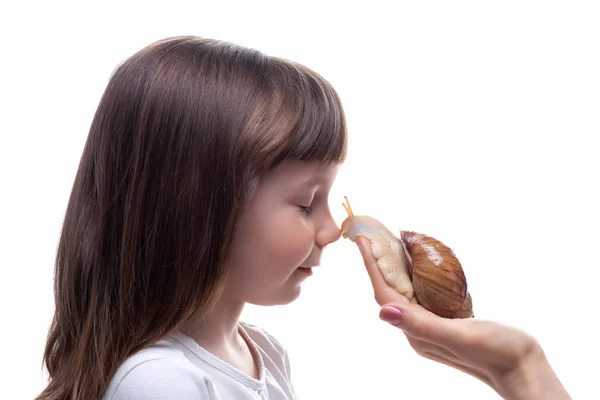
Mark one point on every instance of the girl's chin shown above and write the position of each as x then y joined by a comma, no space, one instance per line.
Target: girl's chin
286,296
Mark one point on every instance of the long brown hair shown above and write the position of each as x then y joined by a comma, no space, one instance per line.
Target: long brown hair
183,132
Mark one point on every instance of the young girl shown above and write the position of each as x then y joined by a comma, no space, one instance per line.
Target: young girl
203,186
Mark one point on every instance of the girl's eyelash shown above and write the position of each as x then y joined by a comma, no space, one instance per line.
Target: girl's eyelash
307,210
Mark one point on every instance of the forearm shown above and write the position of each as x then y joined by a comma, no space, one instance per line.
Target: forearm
533,380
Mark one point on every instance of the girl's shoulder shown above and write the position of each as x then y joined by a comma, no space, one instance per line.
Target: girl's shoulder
161,371
173,368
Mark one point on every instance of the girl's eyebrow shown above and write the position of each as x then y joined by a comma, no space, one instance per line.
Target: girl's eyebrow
314,180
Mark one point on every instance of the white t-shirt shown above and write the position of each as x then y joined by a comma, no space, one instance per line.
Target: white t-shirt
177,367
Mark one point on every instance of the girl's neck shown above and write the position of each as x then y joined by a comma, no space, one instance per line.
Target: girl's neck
218,333
218,327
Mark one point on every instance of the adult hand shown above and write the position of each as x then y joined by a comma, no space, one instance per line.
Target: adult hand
507,359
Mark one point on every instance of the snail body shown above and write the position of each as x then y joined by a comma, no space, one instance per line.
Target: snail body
387,250
417,266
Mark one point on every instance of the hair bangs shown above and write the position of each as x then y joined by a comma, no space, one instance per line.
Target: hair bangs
316,117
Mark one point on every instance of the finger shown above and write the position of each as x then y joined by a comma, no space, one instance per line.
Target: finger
371,264
384,293
424,325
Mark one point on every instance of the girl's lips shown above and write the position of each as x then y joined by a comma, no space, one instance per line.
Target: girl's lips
306,270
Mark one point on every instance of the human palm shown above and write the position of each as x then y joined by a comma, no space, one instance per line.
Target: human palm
499,355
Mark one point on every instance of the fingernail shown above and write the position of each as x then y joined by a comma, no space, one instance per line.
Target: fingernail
391,315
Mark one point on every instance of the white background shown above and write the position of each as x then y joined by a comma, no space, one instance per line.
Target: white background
475,122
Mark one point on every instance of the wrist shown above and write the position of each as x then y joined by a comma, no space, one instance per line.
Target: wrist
532,379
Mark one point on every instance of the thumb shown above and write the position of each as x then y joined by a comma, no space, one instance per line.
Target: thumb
422,324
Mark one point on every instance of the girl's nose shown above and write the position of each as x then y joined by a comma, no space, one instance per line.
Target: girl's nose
330,232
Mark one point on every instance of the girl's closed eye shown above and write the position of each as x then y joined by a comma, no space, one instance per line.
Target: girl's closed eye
305,203
307,209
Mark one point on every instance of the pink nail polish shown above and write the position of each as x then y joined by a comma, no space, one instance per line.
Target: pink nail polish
391,315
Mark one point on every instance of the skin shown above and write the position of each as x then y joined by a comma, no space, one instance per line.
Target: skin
276,237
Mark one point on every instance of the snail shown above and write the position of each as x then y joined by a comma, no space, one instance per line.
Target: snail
417,266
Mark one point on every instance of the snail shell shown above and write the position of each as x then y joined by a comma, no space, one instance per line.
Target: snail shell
419,267
437,276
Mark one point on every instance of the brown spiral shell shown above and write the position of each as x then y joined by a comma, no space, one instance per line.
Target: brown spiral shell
437,277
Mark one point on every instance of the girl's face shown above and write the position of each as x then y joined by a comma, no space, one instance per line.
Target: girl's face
282,233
